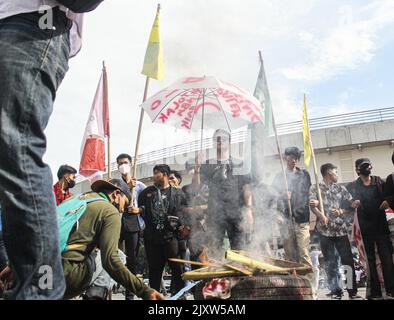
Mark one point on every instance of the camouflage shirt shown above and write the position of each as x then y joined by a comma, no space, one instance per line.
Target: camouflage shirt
334,197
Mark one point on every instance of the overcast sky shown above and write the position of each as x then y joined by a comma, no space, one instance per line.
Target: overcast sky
338,52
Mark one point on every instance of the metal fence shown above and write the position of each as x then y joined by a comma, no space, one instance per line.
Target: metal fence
346,119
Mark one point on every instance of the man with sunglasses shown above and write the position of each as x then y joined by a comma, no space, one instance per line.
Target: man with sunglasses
230,196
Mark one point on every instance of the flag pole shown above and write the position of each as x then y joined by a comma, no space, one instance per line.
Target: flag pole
321,207
137,144
279,150
108,137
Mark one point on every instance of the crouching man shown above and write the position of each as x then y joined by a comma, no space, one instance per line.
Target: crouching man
85,267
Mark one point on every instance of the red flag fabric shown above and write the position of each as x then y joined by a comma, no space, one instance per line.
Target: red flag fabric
358,239
97,128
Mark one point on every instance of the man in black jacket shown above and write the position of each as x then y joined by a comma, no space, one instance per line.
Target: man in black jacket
299,182
368,190
161,207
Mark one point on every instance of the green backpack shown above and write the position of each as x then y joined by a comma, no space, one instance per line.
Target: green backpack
68,213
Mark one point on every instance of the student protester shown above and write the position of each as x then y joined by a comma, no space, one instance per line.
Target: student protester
132,224
161,207
230,196
297,240
332,227
66,175
99,227
371,206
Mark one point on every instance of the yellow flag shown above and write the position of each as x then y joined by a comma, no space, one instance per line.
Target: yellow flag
154,62
305,133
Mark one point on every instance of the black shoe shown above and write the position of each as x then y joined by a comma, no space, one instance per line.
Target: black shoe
375,298
355,297
95,293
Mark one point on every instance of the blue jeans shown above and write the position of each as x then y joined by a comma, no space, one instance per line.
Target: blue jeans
33,63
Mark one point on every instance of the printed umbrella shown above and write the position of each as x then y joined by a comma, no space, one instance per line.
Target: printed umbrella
195,103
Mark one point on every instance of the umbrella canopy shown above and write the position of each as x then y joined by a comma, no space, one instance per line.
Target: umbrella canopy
195,103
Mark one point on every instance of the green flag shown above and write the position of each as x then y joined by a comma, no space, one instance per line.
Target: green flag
261,92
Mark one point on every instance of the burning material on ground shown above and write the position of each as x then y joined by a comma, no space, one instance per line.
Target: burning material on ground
243,277
241,264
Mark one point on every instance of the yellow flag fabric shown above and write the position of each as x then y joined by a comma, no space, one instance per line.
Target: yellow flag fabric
305,133
154,62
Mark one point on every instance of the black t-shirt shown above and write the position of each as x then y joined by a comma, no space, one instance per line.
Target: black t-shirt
372,219
158,206
225,186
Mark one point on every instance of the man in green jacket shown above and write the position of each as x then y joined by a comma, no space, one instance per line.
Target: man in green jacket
99,227
85,266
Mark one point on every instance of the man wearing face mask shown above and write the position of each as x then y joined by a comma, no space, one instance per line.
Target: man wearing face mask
371,204
66,175
87,268
132,223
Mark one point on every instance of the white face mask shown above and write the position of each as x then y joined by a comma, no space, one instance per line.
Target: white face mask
124,168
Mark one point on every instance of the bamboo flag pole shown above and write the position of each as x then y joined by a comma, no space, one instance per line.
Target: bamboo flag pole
279,150
137,145
321,207
105,96
151,70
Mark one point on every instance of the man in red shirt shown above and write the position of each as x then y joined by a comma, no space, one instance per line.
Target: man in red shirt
66,175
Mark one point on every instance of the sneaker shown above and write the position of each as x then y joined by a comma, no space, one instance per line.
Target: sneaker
390,296
332,293
355,297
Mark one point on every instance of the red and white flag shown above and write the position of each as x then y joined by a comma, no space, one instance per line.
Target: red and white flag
358,239
97,129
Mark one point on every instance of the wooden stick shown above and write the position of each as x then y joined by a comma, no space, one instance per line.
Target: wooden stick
206,274
105,95
321,206
235,268
254,264
204,264
279,150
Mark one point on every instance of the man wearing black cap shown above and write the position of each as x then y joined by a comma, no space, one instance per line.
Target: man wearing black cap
161,207
296,245
99,227
66,175
368,190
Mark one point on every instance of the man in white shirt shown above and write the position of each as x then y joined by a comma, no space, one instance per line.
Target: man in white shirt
33,62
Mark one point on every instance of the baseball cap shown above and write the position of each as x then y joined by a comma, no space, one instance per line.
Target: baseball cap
115,184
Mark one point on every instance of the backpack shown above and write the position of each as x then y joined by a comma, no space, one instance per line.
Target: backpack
68,213
80,6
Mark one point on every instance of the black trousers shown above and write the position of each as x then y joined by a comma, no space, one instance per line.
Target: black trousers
342,245
132,246
385,251
216,230
158,255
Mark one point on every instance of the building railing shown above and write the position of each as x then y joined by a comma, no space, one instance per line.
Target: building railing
346,119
